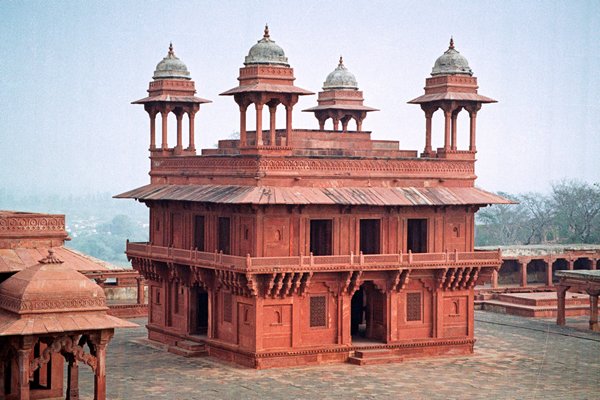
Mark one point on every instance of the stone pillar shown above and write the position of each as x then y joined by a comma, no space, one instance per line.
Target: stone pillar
494,279
243,126
191,141
152,130
140,290
472,128
594,263
179,116
359,124
259,108
72,379
560,312
336,123
594,312
23,363
288,125
571,264
345,121
523,269
549,272
453,144
165,115
100,342
272,112
447,123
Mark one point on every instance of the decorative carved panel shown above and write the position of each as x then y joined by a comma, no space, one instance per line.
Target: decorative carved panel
318,311
413,306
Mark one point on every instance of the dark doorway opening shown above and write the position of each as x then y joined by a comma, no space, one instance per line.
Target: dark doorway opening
509,273
536,272
358,320
370,236
199,232
201,320
321,237
416,237
224,235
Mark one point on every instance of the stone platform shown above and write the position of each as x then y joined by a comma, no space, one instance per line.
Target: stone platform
534,304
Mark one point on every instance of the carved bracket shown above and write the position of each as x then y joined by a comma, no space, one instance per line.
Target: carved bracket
282,284
64,344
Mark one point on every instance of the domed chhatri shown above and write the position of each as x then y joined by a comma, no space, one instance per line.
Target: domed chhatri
266,51
451,63
340,78
171,67
51,286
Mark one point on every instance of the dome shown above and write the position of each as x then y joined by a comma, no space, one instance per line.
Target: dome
340,78
48,287
266,51
451,63
171,67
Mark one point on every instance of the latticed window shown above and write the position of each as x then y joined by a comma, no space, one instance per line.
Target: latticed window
318,311
227,307
413,307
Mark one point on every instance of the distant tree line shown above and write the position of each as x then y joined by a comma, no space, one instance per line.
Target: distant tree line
570,213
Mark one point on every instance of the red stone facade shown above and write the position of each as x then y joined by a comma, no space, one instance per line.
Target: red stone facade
312,246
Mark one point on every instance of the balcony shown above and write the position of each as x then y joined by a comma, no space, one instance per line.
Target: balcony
310,263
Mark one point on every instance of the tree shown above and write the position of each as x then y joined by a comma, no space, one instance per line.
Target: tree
577,211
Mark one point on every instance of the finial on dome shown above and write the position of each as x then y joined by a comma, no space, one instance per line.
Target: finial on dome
266,35
341,64
50,258
451,43
171,52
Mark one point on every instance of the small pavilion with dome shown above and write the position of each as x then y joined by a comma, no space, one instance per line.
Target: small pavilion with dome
51,314
340,100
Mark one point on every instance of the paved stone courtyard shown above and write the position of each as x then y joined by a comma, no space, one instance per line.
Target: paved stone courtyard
516,358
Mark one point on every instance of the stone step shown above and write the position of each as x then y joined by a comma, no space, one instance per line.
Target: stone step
187,353
372,353
376,360
190,345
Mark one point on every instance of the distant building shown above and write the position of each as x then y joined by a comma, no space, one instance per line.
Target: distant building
303,246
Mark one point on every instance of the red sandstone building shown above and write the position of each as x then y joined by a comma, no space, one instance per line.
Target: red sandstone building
301,246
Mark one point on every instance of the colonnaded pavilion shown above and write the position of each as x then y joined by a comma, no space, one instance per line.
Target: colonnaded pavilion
303,246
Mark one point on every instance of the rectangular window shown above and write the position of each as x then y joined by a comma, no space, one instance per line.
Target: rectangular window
416,235
199,232
318,311
227,307
413,307
224,235
321,237
369,236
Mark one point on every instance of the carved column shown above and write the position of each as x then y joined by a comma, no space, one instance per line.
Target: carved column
72,379
453,144
99,341
140,290
192,134
523,270
594,311
336,123
447,123
560,312
428,117
152,114
23,363
594,263
549,263
259,108
288,125
494,279
179,117
571,264
243,109
165,115
272,114
472,130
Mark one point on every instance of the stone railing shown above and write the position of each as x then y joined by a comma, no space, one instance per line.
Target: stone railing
315,263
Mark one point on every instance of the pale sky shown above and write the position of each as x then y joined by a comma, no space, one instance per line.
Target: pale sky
69,70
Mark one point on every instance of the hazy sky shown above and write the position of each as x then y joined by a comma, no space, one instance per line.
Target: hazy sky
69,70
